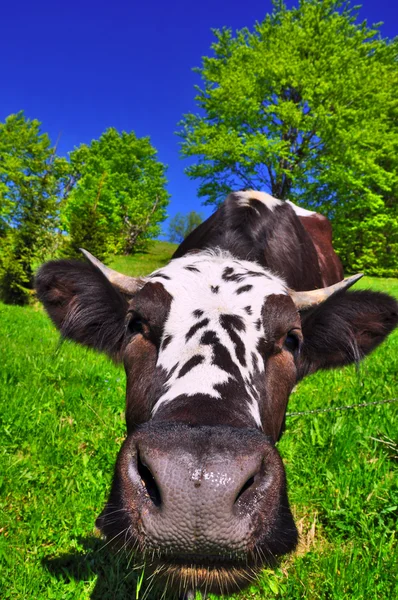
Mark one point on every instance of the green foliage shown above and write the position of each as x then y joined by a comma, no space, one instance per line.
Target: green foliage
110,196
14,280
31,177
305,105
118,194
62,424
181,225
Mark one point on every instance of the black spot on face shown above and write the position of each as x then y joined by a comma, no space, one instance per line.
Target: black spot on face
195,328
232,321
248,309
232,324
227,273
257,274
230,275
190,364
223,360
172,371
258,324
255,361
244,288
209,337
166,341
214,289
161,275
197,313
192,268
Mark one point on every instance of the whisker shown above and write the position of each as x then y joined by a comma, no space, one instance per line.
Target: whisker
114,538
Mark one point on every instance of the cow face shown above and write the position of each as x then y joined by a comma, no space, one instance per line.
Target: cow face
212,347
214,331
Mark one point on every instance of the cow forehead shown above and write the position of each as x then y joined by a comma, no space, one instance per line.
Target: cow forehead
215,281
216,310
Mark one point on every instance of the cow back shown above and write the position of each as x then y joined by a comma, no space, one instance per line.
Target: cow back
255,226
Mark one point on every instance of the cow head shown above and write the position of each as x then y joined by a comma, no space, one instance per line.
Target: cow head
212,347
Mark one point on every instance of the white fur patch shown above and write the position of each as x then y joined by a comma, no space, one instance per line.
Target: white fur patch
194,290
244,198
300,212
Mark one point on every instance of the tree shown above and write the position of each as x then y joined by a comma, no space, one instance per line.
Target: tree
31,178
305,106
117,196
181,225
110,196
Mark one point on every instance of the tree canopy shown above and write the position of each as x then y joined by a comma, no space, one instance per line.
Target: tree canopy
182,224
31,180
305,106
108,197
118,196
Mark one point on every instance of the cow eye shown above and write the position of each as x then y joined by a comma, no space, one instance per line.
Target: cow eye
292,342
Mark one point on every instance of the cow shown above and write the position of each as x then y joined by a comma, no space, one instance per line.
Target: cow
213,344
273,244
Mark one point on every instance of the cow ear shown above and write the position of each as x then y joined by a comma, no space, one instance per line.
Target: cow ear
83,305
345,328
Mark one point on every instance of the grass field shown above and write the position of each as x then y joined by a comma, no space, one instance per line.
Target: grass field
62,424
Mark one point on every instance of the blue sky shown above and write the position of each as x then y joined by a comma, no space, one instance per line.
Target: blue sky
82,66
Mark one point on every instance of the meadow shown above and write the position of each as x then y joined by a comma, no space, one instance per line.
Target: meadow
62,424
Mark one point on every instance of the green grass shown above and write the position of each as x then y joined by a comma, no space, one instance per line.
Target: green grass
157,255
62,424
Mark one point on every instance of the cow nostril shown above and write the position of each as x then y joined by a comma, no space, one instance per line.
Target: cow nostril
247,486
148,482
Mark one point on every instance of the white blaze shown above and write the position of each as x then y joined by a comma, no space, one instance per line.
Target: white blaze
195,291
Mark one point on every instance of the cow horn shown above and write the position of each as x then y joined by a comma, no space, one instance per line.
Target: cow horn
304,300
126,284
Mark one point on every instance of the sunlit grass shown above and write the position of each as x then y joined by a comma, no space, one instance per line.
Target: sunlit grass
155,256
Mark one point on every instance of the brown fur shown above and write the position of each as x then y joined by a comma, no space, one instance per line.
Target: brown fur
320,231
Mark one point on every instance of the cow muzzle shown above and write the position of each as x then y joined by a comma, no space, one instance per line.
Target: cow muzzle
207,504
